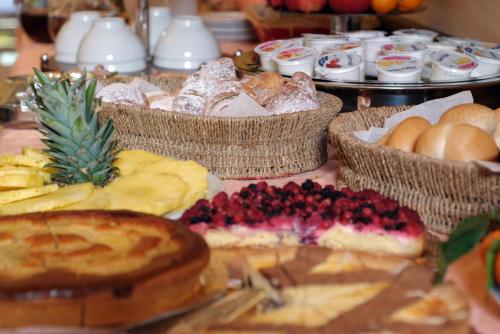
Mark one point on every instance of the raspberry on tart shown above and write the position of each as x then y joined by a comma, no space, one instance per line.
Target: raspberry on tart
261,215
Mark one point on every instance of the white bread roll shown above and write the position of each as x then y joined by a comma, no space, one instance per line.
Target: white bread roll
496,135
473,114
405,134
461,142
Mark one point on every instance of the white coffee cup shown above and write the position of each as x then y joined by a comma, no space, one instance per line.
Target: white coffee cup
185,45
111,44
159,19
71,34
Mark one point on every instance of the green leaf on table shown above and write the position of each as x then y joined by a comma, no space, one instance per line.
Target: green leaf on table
491,255
465,237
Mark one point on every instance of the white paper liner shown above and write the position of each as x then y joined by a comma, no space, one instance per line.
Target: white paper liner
431,111
242,106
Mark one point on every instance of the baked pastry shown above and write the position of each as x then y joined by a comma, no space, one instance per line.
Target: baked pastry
120,93
263,86
223,94
192,98
473,114
461,142
95,268
201,91
261,215
298,94
405,135
221,70
327,291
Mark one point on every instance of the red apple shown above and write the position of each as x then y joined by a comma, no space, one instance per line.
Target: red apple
276,3
350,6
305,6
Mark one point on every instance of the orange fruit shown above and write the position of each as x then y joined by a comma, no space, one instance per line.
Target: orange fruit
485,244
384,6
409,5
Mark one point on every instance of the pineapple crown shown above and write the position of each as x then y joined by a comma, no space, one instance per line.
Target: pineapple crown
81,149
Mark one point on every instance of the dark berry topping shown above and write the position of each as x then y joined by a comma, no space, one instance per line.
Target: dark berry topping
306,207
308,185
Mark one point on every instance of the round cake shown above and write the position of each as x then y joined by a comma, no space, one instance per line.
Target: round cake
95,268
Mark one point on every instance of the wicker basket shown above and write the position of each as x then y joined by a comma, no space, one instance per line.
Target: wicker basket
231,148
443,192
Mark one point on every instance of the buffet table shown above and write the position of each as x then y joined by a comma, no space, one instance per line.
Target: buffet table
13,137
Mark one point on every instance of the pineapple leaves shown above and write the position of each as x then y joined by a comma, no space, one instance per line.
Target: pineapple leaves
89,98
81,149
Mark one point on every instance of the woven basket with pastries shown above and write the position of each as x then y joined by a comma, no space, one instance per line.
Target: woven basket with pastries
442,191
230,147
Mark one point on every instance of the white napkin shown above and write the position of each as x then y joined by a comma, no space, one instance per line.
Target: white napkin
242,106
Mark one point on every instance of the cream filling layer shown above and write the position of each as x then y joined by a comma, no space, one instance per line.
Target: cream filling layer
345,237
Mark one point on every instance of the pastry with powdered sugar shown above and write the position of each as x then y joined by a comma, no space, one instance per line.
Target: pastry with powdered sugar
298,94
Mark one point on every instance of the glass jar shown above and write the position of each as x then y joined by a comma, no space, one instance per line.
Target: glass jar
34,19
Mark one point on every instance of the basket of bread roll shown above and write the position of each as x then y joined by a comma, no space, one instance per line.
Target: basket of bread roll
440,158
250,127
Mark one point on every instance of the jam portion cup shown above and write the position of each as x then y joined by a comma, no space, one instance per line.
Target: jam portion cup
452,66
295,59
399,68
339,66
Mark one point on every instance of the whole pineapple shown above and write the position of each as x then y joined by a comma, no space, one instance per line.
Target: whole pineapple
81,149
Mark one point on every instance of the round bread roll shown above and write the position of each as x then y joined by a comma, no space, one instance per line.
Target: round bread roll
461,142
473,114
496,135
384,139
405,135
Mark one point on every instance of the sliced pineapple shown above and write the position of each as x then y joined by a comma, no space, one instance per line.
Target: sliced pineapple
19,170
22,194
129,160
24,160
35,152
194,174
8,182
97,201
59,198
146,192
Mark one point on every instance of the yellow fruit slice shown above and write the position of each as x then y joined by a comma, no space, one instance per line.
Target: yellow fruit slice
62,197
97,201
8,182
35,152
194,174
24,160
146,192
21,194
128,161
13,170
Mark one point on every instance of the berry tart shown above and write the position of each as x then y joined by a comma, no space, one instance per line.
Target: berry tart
261,215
